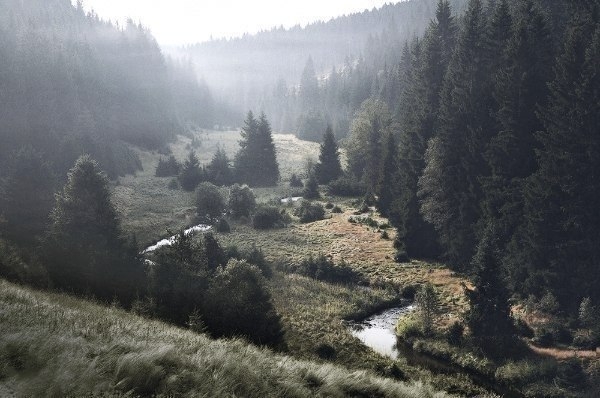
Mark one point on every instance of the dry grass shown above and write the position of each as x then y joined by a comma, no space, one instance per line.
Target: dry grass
54,345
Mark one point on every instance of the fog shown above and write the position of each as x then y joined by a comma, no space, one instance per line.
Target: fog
179,22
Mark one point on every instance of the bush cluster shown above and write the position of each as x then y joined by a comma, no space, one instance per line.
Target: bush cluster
267,217
310,212
346,186
323,269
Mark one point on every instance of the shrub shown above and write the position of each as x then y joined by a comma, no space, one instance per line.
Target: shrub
209,202
586,341
311,189
242,201
385,235
455,332
310,212
249,312
409,292
401,256
523,329
296,182
267,217
408,327
323,268
253,256
543,338
325,351
345,186
223,226
329,206
428,307
336,209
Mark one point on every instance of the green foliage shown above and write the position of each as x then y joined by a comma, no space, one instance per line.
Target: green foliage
408,327
428,308
219,171
329,167
322,268
454,334
346,186
84,249
256,163
210,203
168,168
267,217
191,173
310,212
26,197
223,226
249,312
311,189
489,316
242,201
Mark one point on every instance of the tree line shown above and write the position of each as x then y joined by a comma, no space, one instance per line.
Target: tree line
485,133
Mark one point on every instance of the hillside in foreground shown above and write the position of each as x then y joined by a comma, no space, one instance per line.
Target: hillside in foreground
56,345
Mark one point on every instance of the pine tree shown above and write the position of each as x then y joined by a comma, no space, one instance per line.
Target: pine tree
219,170
329,167
430,60
450,189
256,161
27,197
389,184
311,189
489,316
84,249
191,174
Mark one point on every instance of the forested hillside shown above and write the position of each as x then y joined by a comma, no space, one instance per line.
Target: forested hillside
287,73
496,115
71,83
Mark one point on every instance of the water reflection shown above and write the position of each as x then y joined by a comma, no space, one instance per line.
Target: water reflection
377,331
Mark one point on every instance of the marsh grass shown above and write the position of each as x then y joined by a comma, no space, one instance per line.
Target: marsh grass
55,345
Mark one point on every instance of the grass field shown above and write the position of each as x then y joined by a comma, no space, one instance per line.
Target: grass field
313,312
54,346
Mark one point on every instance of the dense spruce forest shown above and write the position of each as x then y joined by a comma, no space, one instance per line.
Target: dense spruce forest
433,158
305,78
107,85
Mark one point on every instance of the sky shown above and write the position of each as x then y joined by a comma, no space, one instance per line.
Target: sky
180,22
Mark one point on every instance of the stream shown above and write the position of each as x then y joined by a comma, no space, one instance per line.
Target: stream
170,240
377,331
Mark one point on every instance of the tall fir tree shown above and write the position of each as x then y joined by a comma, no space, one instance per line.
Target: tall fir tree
450,190
191,173
84,248
489,316
256,161
219,170
389,183
329,167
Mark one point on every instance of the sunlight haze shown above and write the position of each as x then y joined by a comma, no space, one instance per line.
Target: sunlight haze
180,22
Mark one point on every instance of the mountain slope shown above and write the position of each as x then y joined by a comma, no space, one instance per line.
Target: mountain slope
56,345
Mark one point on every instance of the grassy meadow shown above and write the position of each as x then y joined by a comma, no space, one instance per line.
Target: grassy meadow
55,345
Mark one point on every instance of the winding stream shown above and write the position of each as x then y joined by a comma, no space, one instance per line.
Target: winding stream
377,331
170,240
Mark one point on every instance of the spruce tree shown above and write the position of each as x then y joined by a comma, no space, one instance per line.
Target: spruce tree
450,189
191,174
311,189
389,184
256,161
329,167
27,197
219,170
489,316
84,248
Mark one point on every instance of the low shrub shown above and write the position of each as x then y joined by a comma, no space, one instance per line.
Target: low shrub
296,182
310,212
345,186
242,201
267,217
336,209
173,184
329,206
408,327
210,204
325,351
454,334
167,167
523,329
323,269
223,226
543,338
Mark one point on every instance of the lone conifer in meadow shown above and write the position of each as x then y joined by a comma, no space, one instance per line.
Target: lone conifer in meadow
256,161
329,167
191,173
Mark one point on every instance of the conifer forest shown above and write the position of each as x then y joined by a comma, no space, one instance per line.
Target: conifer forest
396,200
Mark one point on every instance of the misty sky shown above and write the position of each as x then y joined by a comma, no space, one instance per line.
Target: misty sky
177,22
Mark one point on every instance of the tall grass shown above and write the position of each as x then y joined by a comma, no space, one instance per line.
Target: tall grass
54,345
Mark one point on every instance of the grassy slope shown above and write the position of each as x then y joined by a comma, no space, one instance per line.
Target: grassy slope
55,345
